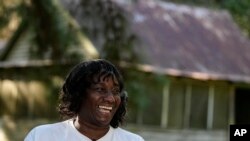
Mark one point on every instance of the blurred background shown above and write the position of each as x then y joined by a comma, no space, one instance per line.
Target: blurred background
186,63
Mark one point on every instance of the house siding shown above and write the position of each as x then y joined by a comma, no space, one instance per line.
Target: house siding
190,104
21,50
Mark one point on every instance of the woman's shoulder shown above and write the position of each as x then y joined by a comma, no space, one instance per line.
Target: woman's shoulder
46,130
52,126
127,135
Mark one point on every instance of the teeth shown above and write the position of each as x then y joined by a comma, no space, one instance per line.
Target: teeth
105,107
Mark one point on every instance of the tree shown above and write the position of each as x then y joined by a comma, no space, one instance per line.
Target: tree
104,22
8,17
240,9
55,31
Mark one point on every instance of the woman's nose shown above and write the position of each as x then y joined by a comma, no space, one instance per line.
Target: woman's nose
109,97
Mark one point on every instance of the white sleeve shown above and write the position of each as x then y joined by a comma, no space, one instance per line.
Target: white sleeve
30,136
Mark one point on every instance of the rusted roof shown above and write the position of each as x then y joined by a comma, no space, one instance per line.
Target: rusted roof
186,41
196,42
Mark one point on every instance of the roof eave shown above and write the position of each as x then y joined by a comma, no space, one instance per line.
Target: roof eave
189,74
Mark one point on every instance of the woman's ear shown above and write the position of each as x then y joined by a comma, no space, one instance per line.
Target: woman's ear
124,96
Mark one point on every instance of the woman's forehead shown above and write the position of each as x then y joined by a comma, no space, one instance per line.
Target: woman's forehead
105,77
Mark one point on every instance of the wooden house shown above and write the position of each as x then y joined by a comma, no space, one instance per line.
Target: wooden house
204,58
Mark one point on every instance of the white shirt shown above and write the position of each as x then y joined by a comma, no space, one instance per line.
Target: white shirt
65,131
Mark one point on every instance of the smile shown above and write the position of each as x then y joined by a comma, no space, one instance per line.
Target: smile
105,109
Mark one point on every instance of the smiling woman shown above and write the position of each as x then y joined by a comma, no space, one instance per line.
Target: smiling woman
92,104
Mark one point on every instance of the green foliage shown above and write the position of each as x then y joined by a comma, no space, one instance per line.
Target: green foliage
7,8
53,32
240,9
107,27
141,85
4,14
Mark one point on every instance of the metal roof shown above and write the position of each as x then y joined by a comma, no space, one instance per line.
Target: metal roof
181,40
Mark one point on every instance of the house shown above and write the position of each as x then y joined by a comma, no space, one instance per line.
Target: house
203,61
204,57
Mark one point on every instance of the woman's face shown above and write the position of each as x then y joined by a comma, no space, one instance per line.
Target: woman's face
101,102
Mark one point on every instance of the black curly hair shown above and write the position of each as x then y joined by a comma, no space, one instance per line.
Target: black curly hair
79,79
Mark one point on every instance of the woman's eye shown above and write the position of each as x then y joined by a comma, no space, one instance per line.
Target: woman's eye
99,89
116,92
102,90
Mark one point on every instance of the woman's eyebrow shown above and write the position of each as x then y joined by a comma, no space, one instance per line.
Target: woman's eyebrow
116,84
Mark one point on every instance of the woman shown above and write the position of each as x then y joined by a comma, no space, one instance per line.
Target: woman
93,102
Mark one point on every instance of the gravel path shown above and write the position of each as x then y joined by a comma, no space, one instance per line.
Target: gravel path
184,135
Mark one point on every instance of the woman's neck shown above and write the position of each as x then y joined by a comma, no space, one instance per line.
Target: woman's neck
91,131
